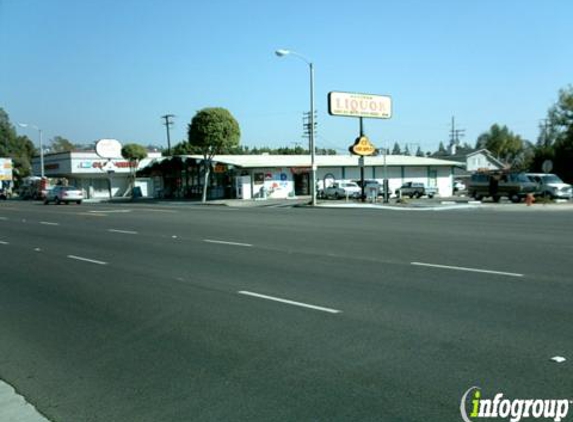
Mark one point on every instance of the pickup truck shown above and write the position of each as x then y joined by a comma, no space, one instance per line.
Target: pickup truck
416,190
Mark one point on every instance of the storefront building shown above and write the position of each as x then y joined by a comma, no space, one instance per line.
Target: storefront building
97,177
284,176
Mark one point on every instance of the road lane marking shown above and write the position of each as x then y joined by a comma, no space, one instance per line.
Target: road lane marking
93,261
157,210
3,243
3,218
122,231
475,270
48,223
109,211
289,302
223,242
90,214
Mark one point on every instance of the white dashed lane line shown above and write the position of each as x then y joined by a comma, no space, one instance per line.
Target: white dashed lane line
3,242
474,270
91,261
122,231
289,302
49,223
224,242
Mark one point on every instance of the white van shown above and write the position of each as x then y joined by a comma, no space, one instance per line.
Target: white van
551,185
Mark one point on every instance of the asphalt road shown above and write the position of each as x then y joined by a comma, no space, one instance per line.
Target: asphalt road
192,313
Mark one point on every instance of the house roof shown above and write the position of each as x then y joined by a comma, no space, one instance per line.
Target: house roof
265,161
489,155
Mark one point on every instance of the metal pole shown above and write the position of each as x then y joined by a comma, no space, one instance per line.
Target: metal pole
361,163
41,155
386,183
312,152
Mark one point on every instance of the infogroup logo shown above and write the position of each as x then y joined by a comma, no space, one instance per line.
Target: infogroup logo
515,410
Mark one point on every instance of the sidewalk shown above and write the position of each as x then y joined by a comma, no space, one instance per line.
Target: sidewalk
15,408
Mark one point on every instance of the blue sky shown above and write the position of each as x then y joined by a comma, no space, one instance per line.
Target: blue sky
96,69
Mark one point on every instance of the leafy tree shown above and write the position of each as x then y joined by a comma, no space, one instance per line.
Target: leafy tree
60,144
407,150
396,150
184,148
20,148
134,153
213,131
419,152
555,140
504,144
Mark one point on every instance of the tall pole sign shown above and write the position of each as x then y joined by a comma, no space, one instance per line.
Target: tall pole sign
370,106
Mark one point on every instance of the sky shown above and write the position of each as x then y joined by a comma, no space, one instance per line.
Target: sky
93,69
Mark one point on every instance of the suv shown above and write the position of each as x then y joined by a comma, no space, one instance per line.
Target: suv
551,186
515,186
415,190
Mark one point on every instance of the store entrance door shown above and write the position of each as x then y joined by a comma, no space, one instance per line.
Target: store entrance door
301,184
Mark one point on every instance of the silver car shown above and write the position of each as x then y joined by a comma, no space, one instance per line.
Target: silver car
551,185
64,194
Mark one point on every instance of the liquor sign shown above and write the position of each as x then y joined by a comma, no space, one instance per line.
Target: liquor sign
359,105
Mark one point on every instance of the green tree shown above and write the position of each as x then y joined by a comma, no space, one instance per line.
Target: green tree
213,131
555,140
407,150
60,144
184,148
20,148
396,150
504,144
419,152
133,153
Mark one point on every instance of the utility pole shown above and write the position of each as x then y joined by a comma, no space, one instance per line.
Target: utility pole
167,124
543,134
455,135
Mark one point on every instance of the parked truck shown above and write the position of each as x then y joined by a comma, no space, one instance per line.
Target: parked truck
416,190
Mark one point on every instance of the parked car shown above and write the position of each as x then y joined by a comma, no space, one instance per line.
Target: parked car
515,186
343,190
459,186
416,190
65,194
551,186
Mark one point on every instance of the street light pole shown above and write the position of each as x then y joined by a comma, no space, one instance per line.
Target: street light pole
282,53
41,146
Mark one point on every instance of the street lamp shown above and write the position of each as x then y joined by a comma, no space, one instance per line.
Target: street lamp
282,53
41,146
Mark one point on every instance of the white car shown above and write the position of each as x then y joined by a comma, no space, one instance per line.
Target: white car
343,190
551,186
65,194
